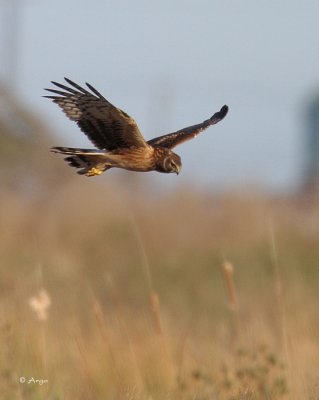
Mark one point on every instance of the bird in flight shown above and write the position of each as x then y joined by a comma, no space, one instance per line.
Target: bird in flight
116,135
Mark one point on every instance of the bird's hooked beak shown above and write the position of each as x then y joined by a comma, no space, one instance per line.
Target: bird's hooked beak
178,169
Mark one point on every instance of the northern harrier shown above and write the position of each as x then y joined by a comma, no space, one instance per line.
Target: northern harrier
117,135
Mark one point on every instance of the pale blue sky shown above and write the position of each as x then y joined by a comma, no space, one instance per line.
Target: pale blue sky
170,64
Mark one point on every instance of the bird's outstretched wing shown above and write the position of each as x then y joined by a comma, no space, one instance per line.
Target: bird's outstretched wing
105,125
173,139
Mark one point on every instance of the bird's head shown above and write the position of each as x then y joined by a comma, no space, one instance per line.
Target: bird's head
169,162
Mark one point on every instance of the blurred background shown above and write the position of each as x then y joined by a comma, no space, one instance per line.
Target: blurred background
152,285
172,64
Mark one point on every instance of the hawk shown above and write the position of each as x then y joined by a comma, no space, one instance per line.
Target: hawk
116,135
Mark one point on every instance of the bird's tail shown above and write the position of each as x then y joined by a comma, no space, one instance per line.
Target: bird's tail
89,162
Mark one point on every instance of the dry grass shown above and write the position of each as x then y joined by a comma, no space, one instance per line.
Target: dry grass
137,303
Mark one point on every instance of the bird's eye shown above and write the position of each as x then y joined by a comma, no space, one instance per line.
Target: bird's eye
173,165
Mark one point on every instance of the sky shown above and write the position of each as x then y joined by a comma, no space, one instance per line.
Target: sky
170,64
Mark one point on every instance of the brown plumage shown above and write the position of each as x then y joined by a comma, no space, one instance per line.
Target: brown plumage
117,135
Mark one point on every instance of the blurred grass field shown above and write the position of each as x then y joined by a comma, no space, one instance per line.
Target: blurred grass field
139,308
135,301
